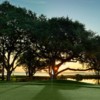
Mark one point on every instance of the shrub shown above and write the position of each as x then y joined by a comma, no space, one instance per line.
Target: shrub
78,77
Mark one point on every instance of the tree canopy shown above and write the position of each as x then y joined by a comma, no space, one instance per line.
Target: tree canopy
43,43
15,24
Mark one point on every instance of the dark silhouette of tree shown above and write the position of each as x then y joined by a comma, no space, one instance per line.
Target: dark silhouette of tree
15,23
2,62
41,43
92,55
32,58
31,62
65,42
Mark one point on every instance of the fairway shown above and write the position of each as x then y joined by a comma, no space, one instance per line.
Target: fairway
49,91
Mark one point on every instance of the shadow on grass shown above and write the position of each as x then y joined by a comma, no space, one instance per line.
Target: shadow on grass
9,88
51,91
91,86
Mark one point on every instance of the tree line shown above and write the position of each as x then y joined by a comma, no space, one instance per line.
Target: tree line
37,42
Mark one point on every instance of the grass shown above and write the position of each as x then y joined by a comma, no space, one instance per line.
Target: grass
47,90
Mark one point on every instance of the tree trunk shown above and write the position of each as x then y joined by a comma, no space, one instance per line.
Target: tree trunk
30,76
30,72
98,77
3,73
8,75
53,74
54,77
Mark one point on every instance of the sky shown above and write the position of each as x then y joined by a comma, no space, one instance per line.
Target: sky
84,11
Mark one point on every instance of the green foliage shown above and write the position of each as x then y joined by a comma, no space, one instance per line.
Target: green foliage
39,42
15,24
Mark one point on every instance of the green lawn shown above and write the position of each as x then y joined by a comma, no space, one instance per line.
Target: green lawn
46,90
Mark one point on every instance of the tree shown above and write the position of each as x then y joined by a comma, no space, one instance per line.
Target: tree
15,23
48,42
64,41
32,59
31,62
92,55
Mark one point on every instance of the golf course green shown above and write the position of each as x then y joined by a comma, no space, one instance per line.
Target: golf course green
49,90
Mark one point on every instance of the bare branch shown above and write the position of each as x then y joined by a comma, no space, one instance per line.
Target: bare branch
74,70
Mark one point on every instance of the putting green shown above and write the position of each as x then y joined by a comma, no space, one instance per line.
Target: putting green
49,91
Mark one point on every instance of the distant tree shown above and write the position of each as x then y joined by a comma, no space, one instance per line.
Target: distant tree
92,55
15,23
31,62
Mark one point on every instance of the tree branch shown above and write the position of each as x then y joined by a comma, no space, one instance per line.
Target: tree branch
65,60
74,70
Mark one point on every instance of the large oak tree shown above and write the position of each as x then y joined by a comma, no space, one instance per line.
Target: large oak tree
15,23
63,41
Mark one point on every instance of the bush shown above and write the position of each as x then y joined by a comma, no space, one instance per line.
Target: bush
62,77
78,77
13,78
